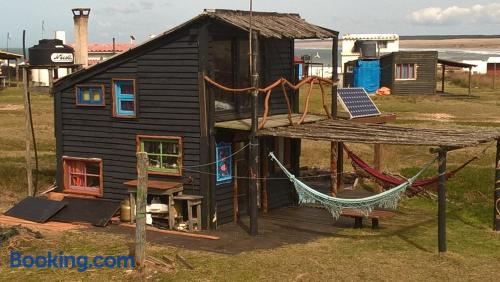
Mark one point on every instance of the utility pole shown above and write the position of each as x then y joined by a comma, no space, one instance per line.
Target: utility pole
253,168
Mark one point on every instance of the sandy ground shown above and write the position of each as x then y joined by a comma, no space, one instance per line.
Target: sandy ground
468,43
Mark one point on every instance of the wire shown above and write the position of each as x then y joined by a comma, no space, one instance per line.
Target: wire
233,154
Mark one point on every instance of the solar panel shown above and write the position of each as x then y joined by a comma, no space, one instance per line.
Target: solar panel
357,102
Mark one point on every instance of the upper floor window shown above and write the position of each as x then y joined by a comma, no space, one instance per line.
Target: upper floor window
406,71
83,176
382,44
90,95
164,153
124,98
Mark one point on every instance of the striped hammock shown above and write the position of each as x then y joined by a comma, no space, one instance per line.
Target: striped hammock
387,199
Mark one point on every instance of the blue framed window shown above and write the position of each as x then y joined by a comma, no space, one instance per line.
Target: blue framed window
223,163
90,95
124,98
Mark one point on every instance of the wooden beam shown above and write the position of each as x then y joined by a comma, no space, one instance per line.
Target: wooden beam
334,149
443,68
140,213
253,168
496,210
27,131
442,202
377,156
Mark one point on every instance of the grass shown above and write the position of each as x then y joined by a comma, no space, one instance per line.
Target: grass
404,249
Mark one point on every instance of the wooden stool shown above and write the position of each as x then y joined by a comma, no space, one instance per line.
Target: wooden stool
193,201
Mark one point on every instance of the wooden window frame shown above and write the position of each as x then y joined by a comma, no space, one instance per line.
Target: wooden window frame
103,89
67,186
415,67
140,138
114,102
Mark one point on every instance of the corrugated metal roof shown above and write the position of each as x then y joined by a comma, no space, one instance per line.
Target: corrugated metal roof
495,60
270,24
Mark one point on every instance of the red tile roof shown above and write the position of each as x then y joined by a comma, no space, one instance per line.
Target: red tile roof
107,47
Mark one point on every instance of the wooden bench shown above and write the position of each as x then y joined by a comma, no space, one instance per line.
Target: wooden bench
193,202
374,216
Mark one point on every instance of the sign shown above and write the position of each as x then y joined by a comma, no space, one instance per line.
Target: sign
61,57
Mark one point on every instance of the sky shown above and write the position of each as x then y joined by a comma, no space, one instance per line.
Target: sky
140,18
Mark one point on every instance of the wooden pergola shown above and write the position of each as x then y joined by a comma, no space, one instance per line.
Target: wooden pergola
455,64
10,56
441,141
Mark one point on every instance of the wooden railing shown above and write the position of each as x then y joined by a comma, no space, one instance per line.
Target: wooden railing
284,83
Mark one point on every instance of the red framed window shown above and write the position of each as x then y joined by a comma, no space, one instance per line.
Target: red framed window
406,71
83,176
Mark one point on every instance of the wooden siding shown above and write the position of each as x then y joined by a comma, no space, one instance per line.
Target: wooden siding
424,84
167,105
279,191
277,63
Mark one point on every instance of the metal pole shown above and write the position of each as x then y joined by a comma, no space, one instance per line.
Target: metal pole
254,141
27,129
140,222
496,209
442,201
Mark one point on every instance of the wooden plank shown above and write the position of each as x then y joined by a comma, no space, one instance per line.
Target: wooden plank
156,184
141,202
177,233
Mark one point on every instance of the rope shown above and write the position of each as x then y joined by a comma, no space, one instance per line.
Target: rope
233,154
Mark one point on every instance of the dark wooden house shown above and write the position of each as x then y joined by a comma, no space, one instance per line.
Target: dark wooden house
409,72
153,98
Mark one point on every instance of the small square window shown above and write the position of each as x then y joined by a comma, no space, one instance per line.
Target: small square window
406,71
124,98
83,176
164,153
90,95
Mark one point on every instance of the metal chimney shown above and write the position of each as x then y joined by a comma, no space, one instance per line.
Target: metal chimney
81,20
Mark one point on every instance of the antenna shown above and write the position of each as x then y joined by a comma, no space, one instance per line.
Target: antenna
250,54
43,28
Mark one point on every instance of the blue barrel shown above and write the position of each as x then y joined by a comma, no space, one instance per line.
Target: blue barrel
367,75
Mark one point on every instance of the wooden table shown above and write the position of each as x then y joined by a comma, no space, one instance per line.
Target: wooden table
156,187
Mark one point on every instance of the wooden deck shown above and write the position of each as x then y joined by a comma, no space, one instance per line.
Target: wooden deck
272,121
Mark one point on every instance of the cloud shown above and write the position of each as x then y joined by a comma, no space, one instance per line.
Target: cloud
452,15
147,4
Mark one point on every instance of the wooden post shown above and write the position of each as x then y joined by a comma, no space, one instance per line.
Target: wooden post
470,80
442,201
496,210
27,131
377,156
336,153
333,168
443,69
51,81
265,174
494,74
254,141
140,222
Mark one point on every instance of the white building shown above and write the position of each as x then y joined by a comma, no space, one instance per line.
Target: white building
386,43
480,68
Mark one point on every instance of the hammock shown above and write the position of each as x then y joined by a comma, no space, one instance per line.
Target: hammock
388,180
386,199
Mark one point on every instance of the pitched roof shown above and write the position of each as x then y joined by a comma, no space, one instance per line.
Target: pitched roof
107,47
7,55
270,24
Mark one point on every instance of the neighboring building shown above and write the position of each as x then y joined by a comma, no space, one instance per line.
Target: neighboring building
99,52
493,66
153,98
386,43
480,66
409,72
